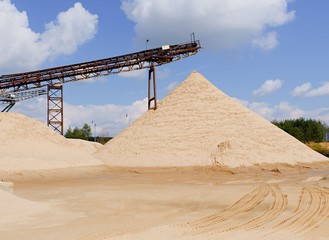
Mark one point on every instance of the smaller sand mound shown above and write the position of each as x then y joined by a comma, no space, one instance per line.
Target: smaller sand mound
27,144
86,146
16,209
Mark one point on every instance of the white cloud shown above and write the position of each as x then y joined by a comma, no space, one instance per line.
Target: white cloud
306,90
282,110
35,108
261,108
287,110
266,42
268,87
19,44
218,24
300,90
70,30
110,119
320,91
321,114
141,74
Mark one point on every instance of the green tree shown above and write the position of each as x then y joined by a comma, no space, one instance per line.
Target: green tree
306,131
86,130
79,133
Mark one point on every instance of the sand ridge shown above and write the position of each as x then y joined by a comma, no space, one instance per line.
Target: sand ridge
199,125
27,144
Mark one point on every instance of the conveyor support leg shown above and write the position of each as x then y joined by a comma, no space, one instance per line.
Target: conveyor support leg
55,108
152,86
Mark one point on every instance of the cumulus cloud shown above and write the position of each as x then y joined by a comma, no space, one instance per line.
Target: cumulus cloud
70,30
287,110
141,74
320,91
300,90
268,87
218,24
110,119
28,49
306,90
266,42
282,110
260,108
321,114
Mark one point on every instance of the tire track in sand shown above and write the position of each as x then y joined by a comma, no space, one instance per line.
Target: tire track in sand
322,212
246,203
312,209
270,208
279,204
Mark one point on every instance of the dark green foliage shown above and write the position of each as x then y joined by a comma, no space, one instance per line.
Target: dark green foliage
305,130
79,133
85,134
102,140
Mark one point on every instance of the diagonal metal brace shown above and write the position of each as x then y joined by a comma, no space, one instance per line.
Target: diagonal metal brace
10,105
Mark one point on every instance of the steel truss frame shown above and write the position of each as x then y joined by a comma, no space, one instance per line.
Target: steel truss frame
55,108
75,72
12,98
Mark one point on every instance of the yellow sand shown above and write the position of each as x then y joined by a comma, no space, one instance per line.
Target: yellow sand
199,125
27,144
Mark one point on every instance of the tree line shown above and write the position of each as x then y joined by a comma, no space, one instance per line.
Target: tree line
305,130
84,133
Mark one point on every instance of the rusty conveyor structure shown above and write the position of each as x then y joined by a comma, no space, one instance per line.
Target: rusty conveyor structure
11,99
54,78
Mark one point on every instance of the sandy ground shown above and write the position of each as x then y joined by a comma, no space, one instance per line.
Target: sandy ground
261,202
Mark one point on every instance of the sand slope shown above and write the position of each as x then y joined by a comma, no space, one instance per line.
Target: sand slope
15,209
199,125
27,144
87,146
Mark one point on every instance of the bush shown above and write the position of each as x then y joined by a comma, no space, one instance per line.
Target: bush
320,148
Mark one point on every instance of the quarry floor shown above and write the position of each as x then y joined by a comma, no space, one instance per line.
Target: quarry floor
262,202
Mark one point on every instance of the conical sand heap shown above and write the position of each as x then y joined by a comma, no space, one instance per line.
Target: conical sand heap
198,125
27,144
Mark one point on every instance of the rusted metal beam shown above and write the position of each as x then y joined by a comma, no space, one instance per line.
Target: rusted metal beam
53,78
152,82
75,72
55,108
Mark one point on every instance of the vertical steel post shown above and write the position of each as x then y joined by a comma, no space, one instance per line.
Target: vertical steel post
152,81
55,108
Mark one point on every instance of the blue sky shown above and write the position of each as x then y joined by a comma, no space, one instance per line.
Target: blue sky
270,55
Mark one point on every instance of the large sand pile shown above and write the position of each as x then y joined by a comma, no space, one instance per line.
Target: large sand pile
26,144
198,125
